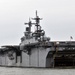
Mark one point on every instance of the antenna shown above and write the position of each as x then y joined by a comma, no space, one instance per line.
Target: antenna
37,19
36,13
29,19
30,24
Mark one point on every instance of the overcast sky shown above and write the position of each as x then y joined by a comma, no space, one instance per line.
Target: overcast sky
58,19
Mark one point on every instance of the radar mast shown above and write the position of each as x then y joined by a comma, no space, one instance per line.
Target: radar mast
37,20
30,25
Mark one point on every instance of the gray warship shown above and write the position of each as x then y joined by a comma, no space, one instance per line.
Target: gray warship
36,50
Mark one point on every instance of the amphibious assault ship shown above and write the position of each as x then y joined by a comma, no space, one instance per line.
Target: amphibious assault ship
36,50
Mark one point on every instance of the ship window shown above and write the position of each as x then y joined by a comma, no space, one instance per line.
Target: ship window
73,48
63,48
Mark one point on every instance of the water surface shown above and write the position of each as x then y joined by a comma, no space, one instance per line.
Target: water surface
35,71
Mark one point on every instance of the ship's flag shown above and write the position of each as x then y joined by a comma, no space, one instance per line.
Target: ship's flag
71,37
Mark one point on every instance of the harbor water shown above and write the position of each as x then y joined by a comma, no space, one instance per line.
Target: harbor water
35,71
